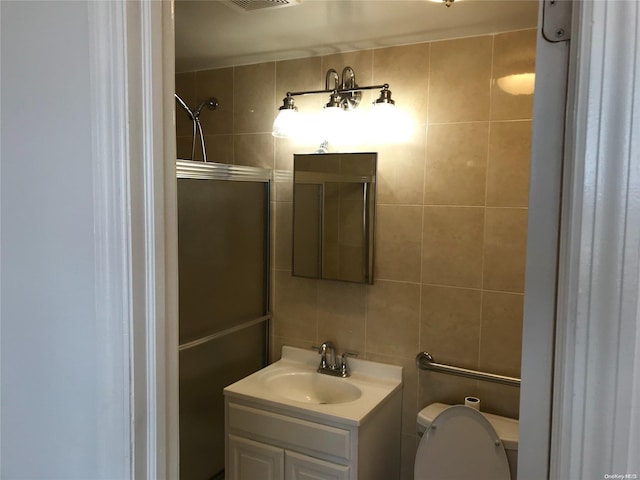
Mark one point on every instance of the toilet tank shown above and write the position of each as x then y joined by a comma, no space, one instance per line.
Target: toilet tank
506,428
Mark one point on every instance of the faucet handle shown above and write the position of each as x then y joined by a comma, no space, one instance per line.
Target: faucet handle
344,365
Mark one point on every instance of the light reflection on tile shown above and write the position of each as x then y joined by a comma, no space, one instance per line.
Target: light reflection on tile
513,61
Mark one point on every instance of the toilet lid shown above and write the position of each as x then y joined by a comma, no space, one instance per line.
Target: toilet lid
461,444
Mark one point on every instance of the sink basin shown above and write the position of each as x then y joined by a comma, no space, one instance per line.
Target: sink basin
292,384
312,387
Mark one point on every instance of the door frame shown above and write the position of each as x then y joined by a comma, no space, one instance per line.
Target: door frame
132,116
596,380
581,339
543,238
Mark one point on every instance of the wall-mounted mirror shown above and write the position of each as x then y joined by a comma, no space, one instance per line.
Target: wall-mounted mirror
334,198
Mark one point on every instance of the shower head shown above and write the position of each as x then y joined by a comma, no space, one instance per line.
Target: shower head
211,103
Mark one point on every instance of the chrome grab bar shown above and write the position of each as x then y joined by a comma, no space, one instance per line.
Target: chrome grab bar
424,361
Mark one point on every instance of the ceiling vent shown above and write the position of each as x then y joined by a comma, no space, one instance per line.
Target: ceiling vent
246,6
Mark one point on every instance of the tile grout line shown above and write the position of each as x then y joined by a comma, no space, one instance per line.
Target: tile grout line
486,180
368,287
274,106
275,192
464,122
424,194
458,287
445,205
233,116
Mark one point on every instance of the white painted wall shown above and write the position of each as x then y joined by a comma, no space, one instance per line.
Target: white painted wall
88,247
61,393
48,323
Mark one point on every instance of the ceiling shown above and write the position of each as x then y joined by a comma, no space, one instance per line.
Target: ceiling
213,33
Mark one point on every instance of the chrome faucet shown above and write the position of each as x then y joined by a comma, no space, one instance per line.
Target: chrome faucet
329,363
327,357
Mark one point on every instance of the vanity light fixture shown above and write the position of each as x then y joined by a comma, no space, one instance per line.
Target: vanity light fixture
286,121
344,95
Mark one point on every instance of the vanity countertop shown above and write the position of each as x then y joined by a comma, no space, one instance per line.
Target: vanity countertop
375,382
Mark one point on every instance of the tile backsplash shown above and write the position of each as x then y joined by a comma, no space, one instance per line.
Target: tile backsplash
451,210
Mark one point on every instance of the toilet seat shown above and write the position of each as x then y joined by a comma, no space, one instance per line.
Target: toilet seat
461,444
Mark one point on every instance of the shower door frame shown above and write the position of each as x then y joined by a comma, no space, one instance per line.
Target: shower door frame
237,173
196,170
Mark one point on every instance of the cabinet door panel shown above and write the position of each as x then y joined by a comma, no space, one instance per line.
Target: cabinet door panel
251,460
311,438
302,467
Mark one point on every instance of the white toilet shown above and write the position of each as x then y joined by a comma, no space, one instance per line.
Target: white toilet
459,443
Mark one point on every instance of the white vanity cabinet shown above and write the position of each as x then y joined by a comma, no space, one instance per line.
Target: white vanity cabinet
254,460
272,435
266,443
249,459
302,467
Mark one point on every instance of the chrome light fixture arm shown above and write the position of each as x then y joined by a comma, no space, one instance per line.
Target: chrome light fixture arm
344,94
349,86
383,87
331,77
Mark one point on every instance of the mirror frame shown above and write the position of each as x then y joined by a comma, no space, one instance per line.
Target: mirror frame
368,179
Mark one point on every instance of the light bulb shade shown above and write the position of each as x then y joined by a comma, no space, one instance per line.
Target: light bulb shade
286,123
332,124
388,124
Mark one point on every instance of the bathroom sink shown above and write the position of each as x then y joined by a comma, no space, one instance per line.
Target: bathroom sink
288,413
292,385
312,387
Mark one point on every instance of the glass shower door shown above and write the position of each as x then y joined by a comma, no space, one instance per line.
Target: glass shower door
223,254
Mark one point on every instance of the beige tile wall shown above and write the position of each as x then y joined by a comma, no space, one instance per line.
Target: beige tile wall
451,218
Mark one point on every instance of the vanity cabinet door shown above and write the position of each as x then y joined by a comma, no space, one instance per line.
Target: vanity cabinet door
302,467
249,460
